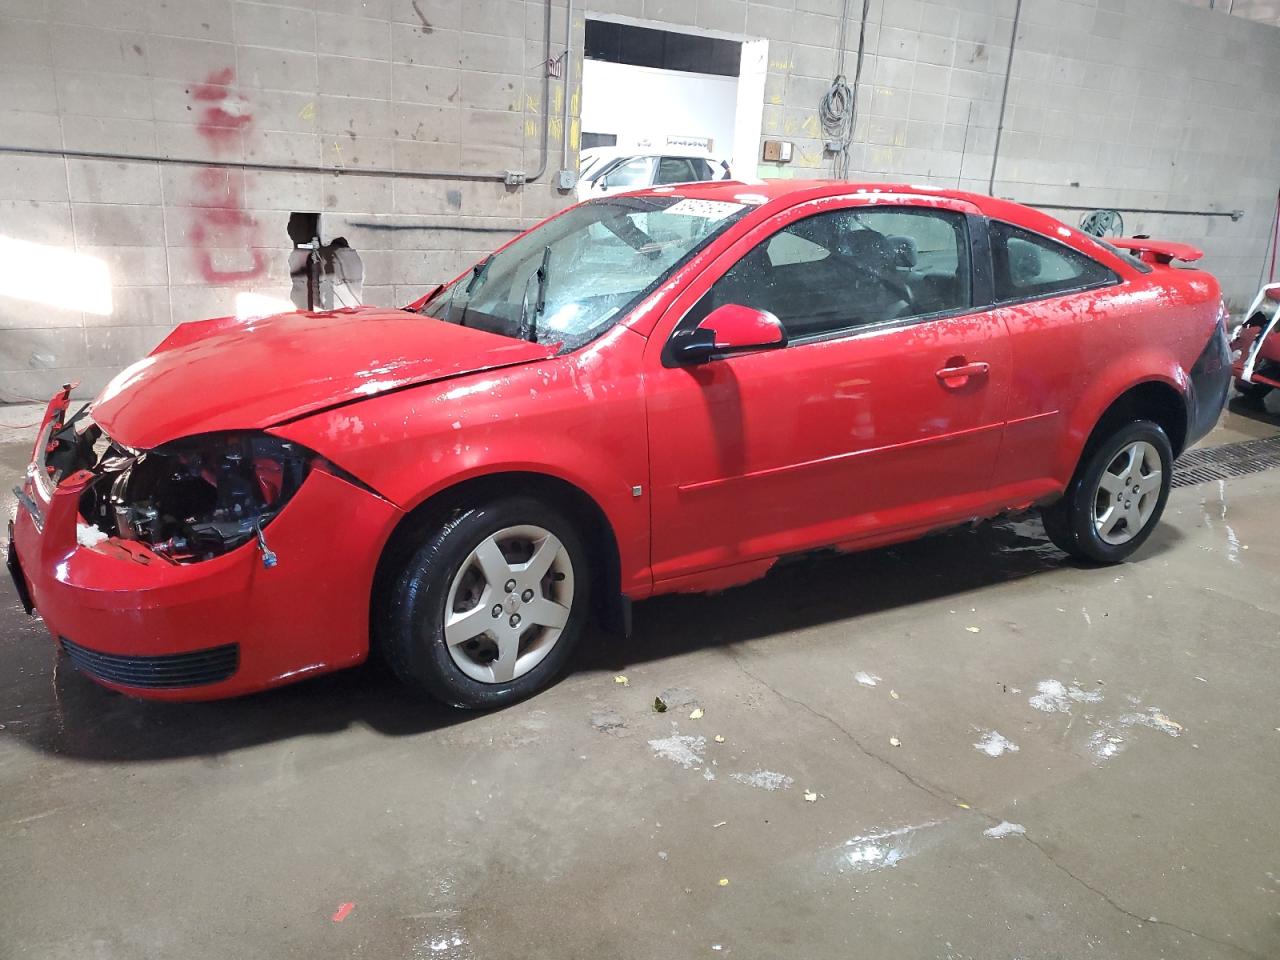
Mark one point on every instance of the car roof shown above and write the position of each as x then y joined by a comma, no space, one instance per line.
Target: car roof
649,152
776,194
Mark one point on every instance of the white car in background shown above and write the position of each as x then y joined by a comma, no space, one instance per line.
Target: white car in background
605,170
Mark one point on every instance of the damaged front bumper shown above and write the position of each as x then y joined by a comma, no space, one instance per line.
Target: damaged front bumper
1255,346
150,624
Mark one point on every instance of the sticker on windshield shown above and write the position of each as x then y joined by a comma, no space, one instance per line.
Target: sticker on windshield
710,209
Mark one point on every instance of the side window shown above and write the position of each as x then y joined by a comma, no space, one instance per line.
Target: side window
849,268
1027,265
633,173
701,169
675,170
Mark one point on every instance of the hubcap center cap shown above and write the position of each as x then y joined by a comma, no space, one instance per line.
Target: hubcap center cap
512,604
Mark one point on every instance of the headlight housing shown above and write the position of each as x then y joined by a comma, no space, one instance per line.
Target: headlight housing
199,497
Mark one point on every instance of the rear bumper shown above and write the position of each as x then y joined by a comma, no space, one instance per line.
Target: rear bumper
1210,380
139,623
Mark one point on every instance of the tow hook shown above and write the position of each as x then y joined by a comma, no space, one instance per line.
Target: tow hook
269,558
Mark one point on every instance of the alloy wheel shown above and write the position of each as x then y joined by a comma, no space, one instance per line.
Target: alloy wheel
1127,493
508,603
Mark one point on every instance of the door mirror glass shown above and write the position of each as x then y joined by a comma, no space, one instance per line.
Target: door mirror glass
729,329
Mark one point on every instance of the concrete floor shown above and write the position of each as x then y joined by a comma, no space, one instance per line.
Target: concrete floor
568,827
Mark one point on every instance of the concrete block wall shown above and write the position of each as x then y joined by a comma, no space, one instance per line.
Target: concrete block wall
1131,103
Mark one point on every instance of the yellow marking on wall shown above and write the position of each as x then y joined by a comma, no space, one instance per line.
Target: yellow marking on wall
554,128
789,125
557,100
530,128
900,139
776,98
575,101
574,126
308,111
531,103
779,64
810,126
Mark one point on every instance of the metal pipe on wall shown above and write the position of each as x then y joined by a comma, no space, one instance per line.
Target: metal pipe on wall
1004,97
568,80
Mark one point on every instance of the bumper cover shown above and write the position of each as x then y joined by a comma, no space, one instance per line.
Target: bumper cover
125,614
1210,380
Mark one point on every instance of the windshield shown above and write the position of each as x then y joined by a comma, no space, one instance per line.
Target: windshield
573,277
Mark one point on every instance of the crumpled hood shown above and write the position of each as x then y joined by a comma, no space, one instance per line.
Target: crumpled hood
229,374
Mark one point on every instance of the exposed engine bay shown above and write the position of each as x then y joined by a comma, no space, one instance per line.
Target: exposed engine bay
189,500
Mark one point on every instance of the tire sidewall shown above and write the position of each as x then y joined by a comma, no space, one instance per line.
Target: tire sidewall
1085,487
417,646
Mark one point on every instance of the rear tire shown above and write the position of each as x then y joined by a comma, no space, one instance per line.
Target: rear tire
453,626
1117,495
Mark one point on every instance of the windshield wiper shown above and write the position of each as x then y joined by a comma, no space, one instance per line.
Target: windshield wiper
529,325
477,272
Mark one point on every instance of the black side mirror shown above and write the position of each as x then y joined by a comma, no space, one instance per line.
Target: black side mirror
728,329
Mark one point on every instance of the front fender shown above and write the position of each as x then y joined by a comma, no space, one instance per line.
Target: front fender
579,418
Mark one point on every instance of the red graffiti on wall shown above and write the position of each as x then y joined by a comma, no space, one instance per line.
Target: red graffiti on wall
220,220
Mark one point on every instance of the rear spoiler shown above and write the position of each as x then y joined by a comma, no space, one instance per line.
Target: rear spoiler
1157,251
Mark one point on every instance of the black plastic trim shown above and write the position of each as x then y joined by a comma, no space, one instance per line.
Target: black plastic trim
159,672
1210,381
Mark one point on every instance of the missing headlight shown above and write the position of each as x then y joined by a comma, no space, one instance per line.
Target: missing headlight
200,497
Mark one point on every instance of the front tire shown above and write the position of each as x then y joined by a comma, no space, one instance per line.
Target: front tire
1117,496
488,609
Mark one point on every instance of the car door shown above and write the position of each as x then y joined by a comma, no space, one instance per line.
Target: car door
1064,310
883,415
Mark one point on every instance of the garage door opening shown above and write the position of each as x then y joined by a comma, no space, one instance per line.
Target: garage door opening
662,106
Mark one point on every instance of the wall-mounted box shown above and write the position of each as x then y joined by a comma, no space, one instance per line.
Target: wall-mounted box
777,151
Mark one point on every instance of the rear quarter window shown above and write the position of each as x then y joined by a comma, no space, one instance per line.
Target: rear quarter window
1029,266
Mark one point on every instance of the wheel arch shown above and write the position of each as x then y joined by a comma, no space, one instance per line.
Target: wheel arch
581,508
1156,400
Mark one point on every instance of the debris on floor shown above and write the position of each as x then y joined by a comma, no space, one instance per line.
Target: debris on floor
1004,829
685,751
1056,697
696,714
719,738
659,705
622,680
895,742
764,779
810,796
866,679
995,744
343,911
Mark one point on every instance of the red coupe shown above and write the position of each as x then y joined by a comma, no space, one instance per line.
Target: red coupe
651,392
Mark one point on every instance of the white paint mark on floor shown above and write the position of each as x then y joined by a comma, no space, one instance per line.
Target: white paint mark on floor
764,779
685,751
876,851
1056,697
1154,719
995,744
1105,743
1004,829
867,679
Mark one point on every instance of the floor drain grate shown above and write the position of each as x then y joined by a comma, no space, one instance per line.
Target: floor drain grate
1229,460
